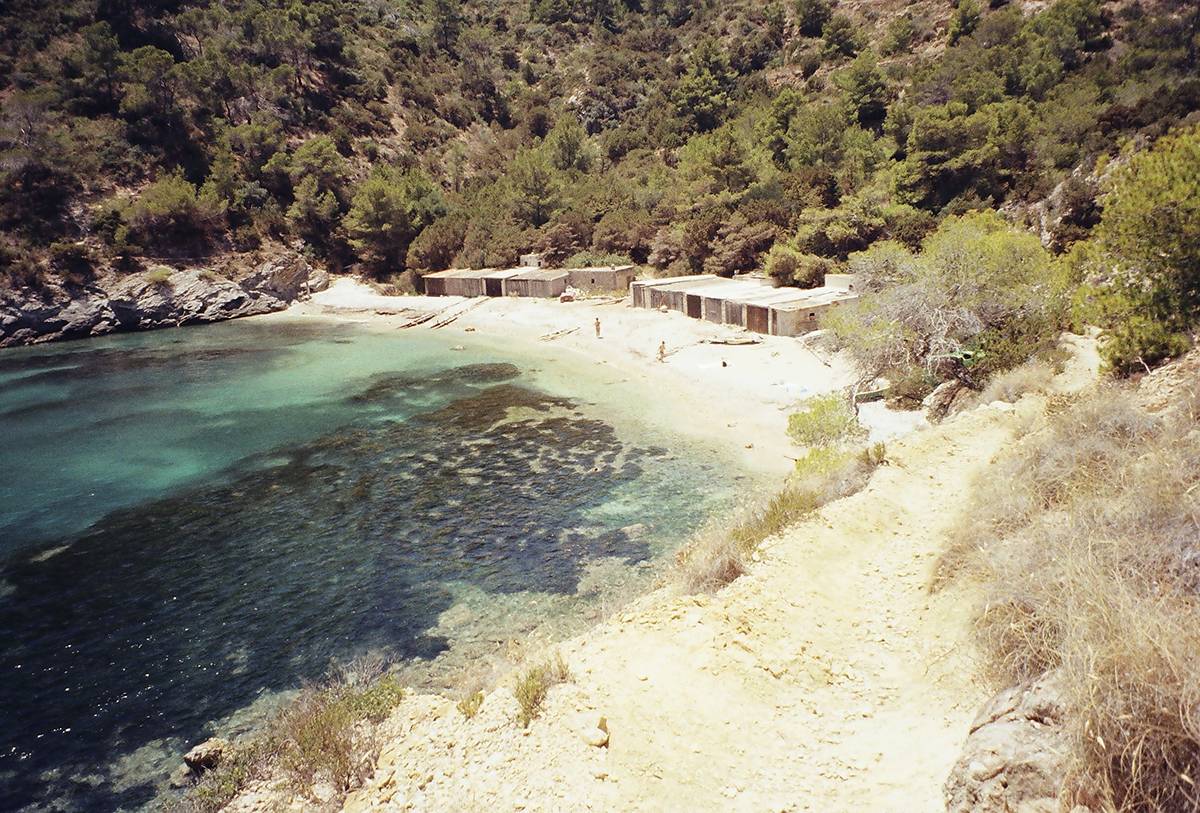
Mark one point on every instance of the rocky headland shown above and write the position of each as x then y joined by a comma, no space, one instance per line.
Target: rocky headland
157,298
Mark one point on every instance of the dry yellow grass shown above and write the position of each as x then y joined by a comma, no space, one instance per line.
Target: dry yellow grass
1032,376
1087,536
720,551
325,736
534,683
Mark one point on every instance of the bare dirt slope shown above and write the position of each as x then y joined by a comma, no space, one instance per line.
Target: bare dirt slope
827,679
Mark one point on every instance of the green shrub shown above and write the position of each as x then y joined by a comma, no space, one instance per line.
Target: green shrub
792,267
169,210
842,36
1138,342
71,257
824,420
595,259
158,275
1143,264
980,297
811,16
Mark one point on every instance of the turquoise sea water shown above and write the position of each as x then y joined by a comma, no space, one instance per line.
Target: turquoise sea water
193,520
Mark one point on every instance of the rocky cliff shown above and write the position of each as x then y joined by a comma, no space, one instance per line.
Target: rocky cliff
151,300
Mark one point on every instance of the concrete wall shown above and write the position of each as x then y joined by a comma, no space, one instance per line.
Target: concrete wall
844,282
796,319
602,279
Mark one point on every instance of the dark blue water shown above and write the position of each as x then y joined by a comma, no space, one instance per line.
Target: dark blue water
196,519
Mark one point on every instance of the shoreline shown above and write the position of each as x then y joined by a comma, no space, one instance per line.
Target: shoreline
737,396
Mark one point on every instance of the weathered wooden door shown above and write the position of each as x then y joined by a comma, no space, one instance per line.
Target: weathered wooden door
756,318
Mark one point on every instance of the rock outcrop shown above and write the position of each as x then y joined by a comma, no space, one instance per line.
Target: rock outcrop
948,397
202,758
149,300
1015,755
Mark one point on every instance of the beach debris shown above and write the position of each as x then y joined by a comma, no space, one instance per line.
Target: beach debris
454,317
734,340
558,334
420,320
469,329
458,347
596,737
568,295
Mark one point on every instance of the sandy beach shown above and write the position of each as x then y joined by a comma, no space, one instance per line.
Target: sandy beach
739,394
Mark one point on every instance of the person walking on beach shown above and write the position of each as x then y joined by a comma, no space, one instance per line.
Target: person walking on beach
597,327
662,351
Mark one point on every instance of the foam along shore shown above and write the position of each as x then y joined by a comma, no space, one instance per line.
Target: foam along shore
739,393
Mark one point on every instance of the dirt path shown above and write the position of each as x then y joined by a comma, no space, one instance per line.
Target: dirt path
827,679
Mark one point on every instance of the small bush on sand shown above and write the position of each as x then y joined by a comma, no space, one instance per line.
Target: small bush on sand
533,685
324,737
824,420
469,705
1085,537
1010,385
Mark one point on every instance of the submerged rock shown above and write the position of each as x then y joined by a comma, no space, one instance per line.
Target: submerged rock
1015,754
146,301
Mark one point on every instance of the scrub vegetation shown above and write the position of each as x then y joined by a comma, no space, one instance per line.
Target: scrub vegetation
992,172
534,683
824,420
322,744
1085,537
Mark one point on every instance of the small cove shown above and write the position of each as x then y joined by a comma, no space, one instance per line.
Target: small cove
195,521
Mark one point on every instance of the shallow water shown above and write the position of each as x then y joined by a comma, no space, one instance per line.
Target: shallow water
194,521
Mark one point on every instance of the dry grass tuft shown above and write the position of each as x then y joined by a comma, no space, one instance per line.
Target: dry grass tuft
533,685
469,705
1009,386
1087,536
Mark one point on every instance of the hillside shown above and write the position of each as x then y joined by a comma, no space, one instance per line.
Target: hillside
708,136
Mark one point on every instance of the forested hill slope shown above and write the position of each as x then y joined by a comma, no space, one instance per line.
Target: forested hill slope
693,136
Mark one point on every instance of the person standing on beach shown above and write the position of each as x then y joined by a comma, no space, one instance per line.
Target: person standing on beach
662,351
597,327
